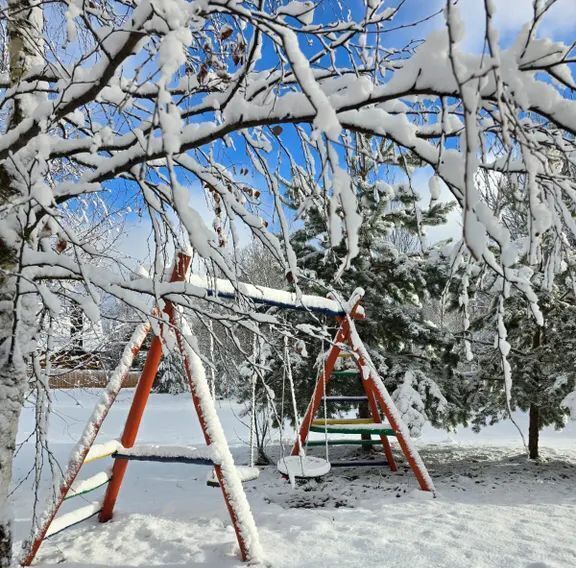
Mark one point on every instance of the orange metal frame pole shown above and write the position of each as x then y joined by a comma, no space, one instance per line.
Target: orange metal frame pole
131,428
342,335
139,401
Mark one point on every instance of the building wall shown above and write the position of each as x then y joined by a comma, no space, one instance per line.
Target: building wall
85,378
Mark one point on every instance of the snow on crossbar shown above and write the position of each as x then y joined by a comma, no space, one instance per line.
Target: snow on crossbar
226,289
245,473
172,454
73,518
80,487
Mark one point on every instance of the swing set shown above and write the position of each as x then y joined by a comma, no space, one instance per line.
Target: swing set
216,453
348,345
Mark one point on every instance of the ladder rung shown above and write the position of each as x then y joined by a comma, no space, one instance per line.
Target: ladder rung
322,421
166,459
374,429
347,373
73,518
245,472
81,487
359,463
169,454
345,398
99,451
343,442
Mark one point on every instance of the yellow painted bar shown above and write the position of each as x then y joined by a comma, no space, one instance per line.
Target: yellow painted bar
99,457
99,451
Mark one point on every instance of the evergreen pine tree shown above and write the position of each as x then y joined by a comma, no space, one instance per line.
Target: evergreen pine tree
542,365
541,358
399,275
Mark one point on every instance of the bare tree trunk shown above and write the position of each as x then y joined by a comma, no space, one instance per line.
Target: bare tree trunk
12,388
534,431
534,412
364,412
25,43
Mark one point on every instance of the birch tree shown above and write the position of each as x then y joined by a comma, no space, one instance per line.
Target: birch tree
24,39
177,101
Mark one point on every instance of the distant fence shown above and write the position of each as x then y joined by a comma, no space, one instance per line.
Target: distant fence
88,378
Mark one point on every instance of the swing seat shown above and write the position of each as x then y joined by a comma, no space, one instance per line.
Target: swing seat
306,467
245,472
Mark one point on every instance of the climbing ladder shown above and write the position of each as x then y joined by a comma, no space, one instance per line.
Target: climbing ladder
216,453
347,344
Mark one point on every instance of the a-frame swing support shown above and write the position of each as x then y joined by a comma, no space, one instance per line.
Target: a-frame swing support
224,467
236,504
378,397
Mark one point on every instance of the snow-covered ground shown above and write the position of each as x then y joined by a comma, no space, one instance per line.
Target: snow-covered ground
494,507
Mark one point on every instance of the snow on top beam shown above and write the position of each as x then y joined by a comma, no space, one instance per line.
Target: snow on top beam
221,288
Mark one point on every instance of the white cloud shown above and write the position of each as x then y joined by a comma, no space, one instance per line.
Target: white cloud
510,15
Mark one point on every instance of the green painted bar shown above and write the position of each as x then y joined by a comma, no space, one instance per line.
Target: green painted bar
346,374
359,430
71,496
343,442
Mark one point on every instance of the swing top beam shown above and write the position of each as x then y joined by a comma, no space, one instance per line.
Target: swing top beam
221,288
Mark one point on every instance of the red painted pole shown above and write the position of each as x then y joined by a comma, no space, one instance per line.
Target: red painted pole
379,399
139,401
420,477
376,417
131,428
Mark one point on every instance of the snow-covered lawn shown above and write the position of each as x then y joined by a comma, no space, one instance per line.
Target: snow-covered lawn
494,508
